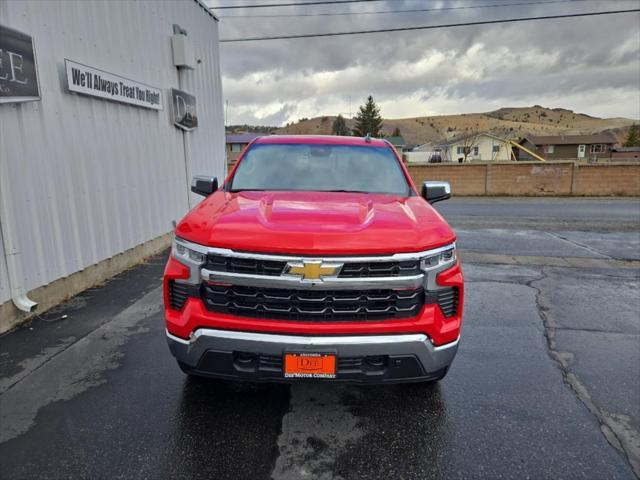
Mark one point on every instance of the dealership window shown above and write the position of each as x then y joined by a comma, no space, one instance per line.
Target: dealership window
549,148
460,151
597,148
476,151
236,147
496,148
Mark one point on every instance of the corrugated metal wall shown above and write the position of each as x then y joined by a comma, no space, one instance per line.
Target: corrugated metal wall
88,178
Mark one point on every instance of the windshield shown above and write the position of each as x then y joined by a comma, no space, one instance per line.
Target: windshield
326,168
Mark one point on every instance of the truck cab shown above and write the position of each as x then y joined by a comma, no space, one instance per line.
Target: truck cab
317,258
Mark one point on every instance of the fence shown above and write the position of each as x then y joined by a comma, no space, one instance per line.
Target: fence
534,178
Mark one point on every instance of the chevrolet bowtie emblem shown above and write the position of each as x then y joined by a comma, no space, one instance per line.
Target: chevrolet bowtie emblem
313,269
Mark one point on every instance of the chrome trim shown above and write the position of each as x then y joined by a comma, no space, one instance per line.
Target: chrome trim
309,340
398,257
326,283
176,339
447,345
445,185
427,279
337,267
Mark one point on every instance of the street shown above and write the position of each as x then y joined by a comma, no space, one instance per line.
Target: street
546,383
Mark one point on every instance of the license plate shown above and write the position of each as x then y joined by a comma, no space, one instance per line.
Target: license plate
309,365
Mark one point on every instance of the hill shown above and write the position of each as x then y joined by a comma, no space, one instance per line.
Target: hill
506,122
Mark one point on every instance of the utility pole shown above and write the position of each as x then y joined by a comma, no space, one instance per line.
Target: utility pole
226,113
350,107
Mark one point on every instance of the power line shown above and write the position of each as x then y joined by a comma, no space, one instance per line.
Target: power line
295,4
428,27
413,10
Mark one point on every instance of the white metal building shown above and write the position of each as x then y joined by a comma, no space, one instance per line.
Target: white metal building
84,178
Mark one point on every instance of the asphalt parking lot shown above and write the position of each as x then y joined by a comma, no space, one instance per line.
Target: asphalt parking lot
546,383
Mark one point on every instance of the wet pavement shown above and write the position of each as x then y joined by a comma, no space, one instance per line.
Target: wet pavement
546,383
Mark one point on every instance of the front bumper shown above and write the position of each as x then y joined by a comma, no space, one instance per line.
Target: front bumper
259,356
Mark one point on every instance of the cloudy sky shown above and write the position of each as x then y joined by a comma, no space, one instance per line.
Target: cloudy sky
590,64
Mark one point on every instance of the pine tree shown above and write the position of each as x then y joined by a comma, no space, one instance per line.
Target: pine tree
396,132
339,127
368,120
633,136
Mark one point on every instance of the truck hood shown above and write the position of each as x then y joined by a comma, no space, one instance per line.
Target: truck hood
315,223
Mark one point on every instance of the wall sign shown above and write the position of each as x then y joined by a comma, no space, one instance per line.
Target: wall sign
98,83
184,110
18,70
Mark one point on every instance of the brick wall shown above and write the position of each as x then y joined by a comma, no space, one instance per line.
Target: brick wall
466,179
534,178
529,179
607,179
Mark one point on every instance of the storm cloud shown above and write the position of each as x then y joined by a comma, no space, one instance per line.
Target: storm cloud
589,64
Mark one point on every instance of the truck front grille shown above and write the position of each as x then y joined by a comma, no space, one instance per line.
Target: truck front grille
274,268
220,263
380,269
313,305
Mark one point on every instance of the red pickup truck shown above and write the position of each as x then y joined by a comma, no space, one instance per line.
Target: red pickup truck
316,259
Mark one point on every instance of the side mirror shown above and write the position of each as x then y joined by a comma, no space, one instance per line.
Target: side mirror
203,185
434,192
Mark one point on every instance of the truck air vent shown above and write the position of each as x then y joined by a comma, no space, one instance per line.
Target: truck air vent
380,269
178,293
448,301
220,263
313,305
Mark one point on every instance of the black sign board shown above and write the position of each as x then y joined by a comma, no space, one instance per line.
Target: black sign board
18,71
184,110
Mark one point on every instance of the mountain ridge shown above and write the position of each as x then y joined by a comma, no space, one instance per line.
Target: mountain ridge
509,122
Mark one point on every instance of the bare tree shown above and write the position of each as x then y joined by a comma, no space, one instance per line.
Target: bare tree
469,142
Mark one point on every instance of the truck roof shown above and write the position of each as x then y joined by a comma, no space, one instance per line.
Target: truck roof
321,140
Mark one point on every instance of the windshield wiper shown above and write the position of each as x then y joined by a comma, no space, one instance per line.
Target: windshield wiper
345,191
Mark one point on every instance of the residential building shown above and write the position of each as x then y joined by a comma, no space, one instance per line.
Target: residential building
483,147
625,154
398,142
236,143
568,147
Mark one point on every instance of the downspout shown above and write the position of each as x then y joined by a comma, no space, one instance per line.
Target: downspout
186,146
12,254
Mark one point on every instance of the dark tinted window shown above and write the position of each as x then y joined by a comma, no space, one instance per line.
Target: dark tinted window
320,168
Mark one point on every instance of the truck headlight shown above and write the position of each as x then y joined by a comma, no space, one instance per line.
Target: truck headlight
185,253
446,256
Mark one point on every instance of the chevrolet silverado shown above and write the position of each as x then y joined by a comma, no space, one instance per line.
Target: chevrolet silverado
316,259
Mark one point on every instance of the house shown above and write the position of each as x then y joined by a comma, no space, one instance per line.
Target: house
398,142
483,147
568,147
236,144
625,154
